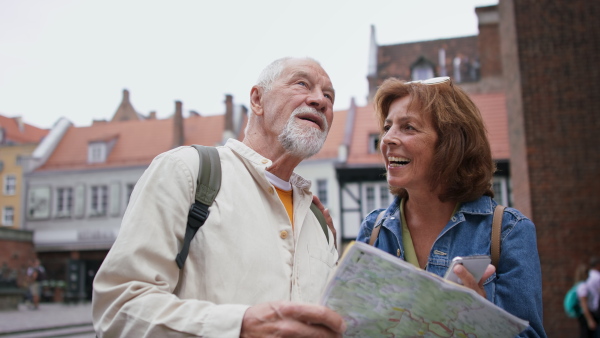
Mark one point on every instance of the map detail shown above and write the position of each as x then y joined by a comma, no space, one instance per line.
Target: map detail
380,295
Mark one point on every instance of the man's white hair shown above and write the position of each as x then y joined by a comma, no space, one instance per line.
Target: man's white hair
273,71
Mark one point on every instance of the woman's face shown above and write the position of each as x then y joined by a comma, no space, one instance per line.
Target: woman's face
408,146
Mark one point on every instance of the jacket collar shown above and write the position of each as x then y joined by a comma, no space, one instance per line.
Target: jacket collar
259,161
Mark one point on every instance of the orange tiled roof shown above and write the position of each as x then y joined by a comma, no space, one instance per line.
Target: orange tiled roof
493,111
138,141
29,134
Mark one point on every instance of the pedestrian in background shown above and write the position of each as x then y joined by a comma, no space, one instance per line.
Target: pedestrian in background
589,299
35,274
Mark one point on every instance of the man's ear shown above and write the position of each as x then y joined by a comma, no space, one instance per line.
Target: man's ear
256,94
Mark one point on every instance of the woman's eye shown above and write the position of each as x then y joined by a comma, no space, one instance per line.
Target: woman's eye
386,128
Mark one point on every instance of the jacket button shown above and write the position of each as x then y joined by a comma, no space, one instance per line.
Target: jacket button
398,252
454,219
271,190
283,234
265,161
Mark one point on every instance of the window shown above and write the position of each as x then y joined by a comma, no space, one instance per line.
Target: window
370,192
322,191
375,195
500,188
384,196
422,72
8,216
373,143
97,152
10,185
99,200
422,69
64,202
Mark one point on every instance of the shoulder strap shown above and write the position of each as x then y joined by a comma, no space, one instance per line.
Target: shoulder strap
376,228
496,230
209,183
321,219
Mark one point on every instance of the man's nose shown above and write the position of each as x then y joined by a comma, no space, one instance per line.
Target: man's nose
317,100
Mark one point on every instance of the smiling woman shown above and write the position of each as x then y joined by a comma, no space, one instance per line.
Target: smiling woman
439,166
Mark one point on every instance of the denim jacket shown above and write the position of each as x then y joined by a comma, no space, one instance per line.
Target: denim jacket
516,286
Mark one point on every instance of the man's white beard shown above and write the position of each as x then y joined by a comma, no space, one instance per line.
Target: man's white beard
300,140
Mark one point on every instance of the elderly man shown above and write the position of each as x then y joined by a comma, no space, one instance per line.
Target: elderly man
261,260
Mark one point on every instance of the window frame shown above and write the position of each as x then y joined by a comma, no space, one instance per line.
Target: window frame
6,214
98,200
6,185
64,201
97,152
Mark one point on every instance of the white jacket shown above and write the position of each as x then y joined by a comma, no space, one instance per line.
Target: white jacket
246,253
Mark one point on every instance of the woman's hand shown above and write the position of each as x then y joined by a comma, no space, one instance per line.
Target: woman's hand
467,278
328,218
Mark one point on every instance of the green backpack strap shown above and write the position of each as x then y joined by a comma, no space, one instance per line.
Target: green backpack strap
321,218
209,183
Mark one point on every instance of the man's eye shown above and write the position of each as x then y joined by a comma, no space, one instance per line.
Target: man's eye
302,83
329,97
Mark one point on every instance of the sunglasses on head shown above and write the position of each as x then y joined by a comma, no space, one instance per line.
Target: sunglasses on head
434,81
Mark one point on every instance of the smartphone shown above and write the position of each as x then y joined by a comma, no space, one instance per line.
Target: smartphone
476,265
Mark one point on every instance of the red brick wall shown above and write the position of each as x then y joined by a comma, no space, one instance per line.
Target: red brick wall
17,255
551,55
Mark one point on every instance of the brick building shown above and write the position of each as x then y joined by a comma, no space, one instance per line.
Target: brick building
550,54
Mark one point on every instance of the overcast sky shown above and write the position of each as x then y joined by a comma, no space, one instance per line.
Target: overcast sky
73,58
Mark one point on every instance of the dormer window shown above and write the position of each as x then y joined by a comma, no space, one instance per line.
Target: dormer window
373,143
422,69
97,152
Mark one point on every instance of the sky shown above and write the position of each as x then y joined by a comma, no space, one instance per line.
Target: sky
72,58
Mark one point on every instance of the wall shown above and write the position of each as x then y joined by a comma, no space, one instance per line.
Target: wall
550,51
9,155
16,252
85,231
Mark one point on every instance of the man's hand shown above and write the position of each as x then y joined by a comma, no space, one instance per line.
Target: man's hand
467,278
288,319
328,218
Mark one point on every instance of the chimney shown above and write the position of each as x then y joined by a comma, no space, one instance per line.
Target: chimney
373,64
488,42
229,112
178,125
152,115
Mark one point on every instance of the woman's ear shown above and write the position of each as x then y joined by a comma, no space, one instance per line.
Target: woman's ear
256,94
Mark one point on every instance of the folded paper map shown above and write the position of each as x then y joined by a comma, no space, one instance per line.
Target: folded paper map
380,295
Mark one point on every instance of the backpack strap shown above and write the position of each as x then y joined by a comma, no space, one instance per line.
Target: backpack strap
376,228
209,183
321,218
496,230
